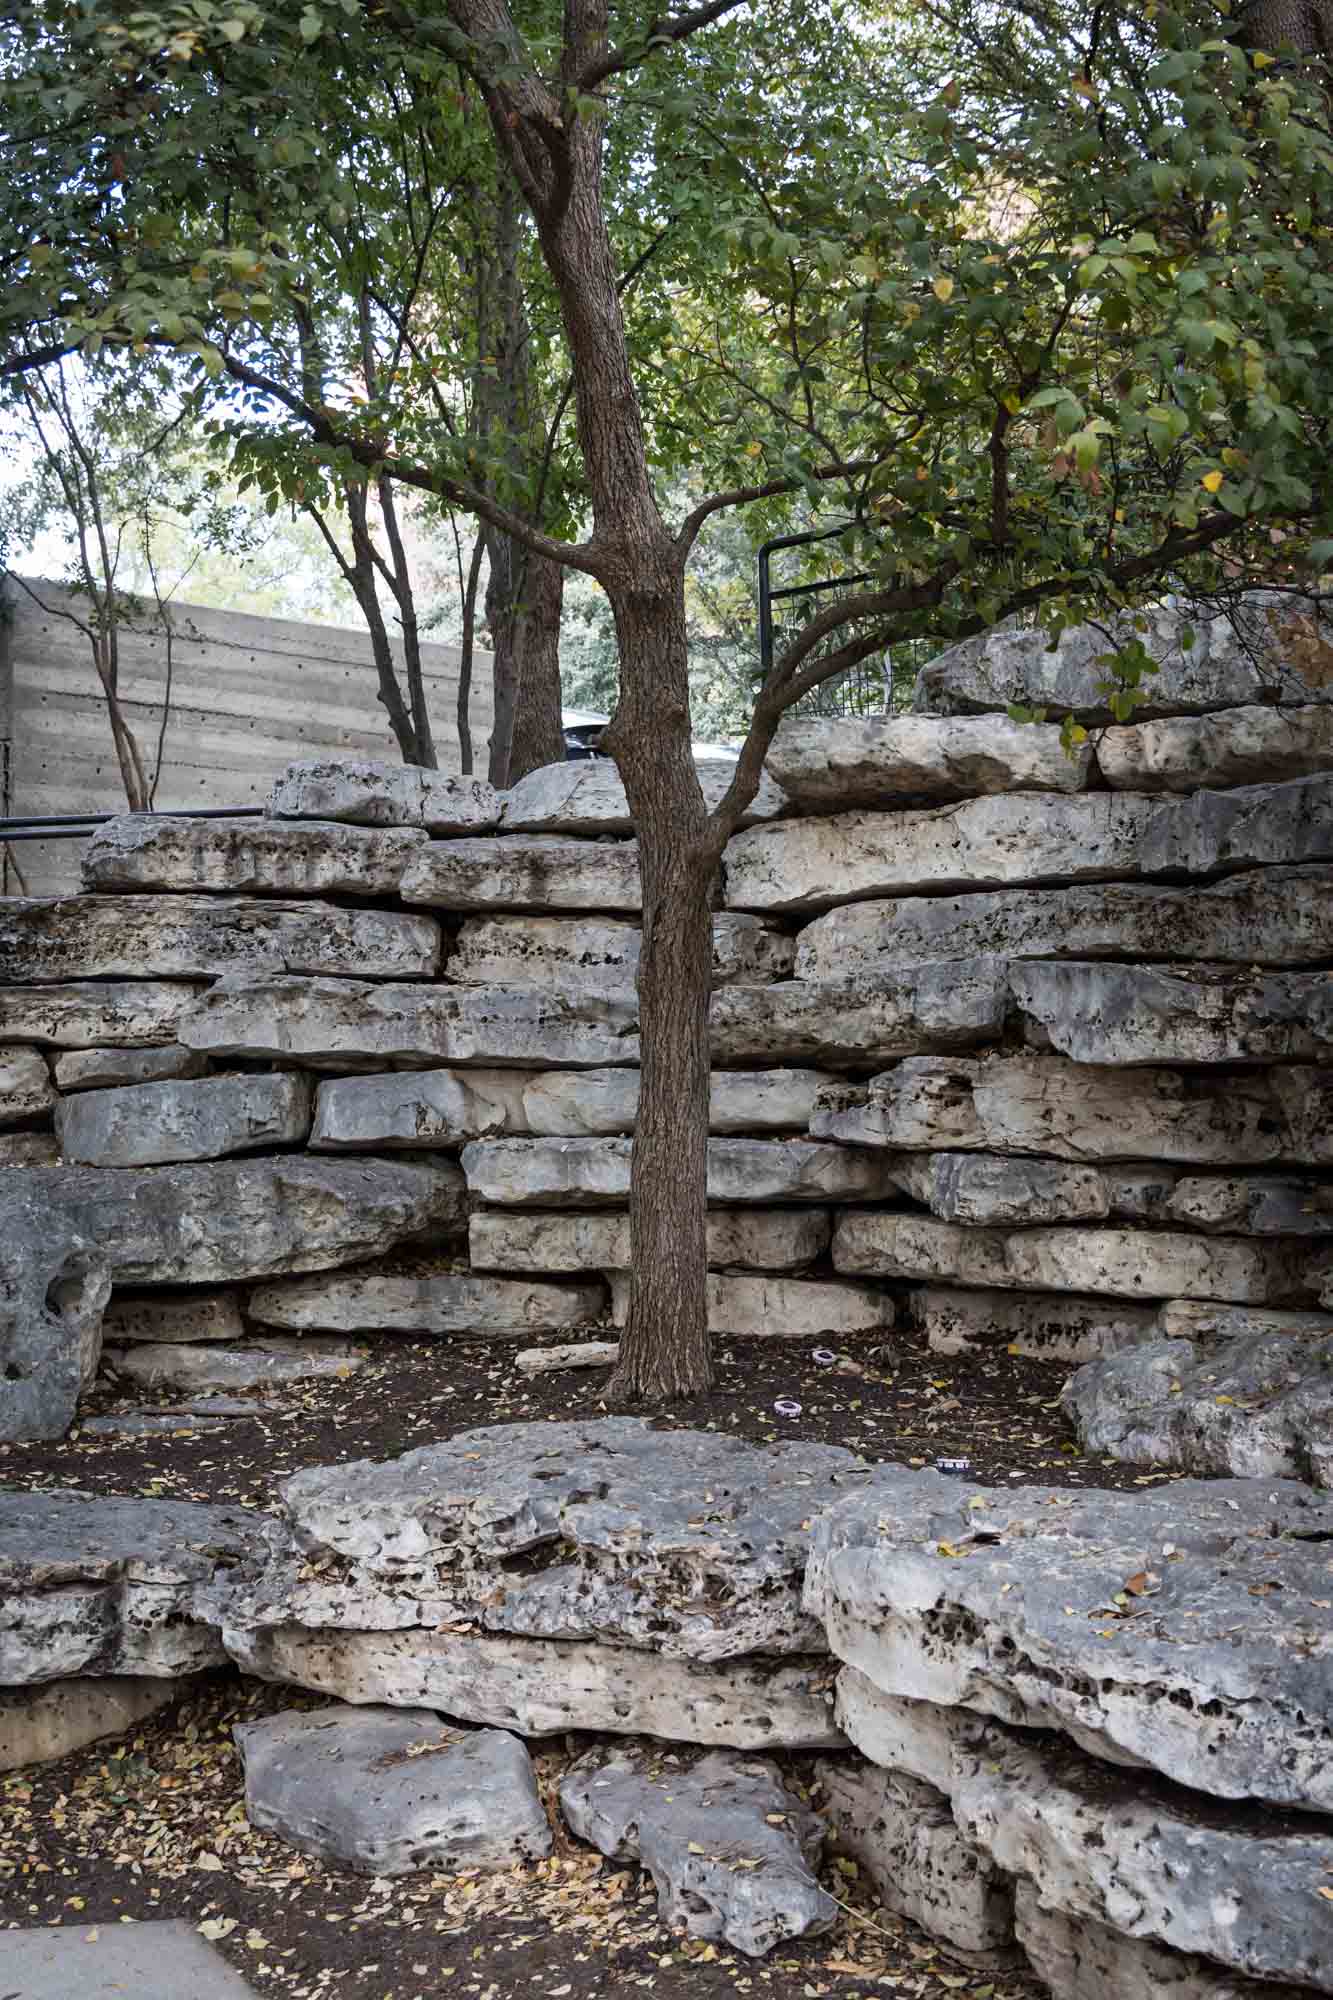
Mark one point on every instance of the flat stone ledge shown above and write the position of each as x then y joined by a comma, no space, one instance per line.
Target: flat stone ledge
365,793
113,1069
1239,746
253,1364
1049,1326
155,1124
465,1303
555,1173
525,872
752,1239
132,1317
587,798
39,1724
25,1085
133,1013
867,1018
601,952
831,763
262,857
773,1308
1137,1014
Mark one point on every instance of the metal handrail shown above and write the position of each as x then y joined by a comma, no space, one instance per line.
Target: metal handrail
78,826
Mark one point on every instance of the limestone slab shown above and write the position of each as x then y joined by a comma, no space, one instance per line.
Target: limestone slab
1250,745
342,1023
28,1149
416,1109
903,1834
40,1723
1046,1104
365,793
55,1278
989,1188
828,763
111,1069
386,1791
540,1689
480,1307
255,856
869,1017
1124,1263
154,1124
1259,1407
1195,1319
586,1103
775,1308
96,1585
132,1317
1075,1956
1267,916
586,797
525,872
1254,1205
602,951
554,1173
1050,1326
1011,839
1268,652
152,1960
576,1354
249,1218
25,1085
749,1239
691,1828
184,937
1127,1014
251,1364
946,1592
136,1013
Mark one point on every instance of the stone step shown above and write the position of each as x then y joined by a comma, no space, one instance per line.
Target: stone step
267,857
1048,1105
525,872
604,951
183,937
757,1239
826,764
776,1308
473,1306
252,1364
1269,916
39,1724
154,1124
1128,1014
554,1173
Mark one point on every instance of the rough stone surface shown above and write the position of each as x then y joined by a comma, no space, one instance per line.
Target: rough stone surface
39,1724
28,1149
183,937
1193,1319
808,864
604,951
902,1832
1124,1263
385,1791
1082,1960
749,1239
942,1591
340,1023
691,1828
461,1534
1127,1014
551,1173
1048,1325
1239,746
1272,916
213,1224
91,1585
870,1017
829,763
1046,1104
1256,1206
135,1316
25,1085
525,872
772,1308
539,1689
112,1069
136,1013
255,1364
577,1354
366,793
982,1188
588,1103
151,851
154,1124
55,1278
461,1302
1260,1407
417,1109
586,797
1270,654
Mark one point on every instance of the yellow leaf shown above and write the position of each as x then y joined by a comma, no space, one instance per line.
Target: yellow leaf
1212,482
1327,1894
1261,61
943,290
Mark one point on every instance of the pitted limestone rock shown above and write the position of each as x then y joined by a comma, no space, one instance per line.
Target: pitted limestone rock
525,872
25,1085
1258,1205
156,1124
587,798
1126,1014
1075,1956
604,951
825,764
366,793
754,1239
453,1302
350,1023
132,1317
942,1591
683,1543
1048,1105
1048,1325
730,1850
1265,916
111,1069
95,1585
776,1308
1239,746
870,1017
986,1188
1260,1407
55,1279
555,1173
136,1013
187,937
252,1364
384,1791
268,857
40,1723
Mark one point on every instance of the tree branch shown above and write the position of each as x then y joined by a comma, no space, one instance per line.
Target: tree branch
671,29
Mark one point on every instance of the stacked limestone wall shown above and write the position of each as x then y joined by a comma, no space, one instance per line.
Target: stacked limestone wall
1008,1045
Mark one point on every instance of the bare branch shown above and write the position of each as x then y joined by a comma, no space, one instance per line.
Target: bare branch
671,29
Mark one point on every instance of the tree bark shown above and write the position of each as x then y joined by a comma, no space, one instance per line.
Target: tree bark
538,735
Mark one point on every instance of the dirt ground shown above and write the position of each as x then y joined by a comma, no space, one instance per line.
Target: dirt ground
154,1826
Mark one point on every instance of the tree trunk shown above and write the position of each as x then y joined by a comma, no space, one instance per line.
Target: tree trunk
501,623
538,735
